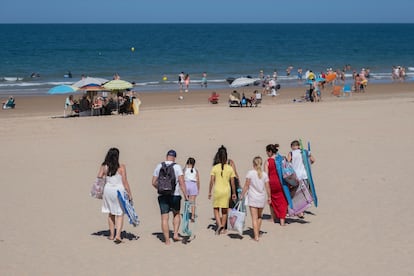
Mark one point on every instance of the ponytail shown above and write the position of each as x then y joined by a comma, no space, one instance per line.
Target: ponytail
257,164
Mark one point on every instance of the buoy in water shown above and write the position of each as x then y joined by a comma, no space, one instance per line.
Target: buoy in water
132,49
164,78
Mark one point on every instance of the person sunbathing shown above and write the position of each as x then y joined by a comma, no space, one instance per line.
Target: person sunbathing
9,104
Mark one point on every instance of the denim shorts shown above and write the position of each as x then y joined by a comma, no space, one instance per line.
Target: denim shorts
169,203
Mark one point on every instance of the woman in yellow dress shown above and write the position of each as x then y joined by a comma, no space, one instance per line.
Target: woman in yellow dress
222,179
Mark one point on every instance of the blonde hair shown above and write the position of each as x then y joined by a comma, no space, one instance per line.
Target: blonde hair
257,164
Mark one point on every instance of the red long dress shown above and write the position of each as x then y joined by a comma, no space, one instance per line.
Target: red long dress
279,203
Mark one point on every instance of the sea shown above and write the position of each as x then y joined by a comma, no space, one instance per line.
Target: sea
41,56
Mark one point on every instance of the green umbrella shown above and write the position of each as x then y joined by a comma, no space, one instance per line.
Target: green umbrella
117,85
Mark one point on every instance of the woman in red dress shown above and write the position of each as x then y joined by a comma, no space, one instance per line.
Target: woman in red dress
278,205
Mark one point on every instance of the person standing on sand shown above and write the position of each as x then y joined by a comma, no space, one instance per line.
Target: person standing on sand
116,180
192,183
256,187
181,81
187,82
232,202
220,176
278,205
171,202
295,158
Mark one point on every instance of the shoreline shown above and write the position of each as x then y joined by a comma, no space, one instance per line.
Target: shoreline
52,105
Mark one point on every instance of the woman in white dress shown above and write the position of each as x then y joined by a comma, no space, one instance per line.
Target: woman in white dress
116,179
256,187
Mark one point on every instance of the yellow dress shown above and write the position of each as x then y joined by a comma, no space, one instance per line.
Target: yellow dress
222,189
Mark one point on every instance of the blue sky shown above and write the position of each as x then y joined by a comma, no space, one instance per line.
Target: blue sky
208,11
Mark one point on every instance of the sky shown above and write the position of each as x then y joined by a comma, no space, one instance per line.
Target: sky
207,11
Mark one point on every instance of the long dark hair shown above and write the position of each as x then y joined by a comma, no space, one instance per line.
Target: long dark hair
221,157
191,161
112,161
273,148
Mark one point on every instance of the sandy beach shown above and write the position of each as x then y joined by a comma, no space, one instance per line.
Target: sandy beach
363,176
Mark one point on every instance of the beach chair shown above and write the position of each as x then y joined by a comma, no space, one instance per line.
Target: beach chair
234,99
214,98
347,90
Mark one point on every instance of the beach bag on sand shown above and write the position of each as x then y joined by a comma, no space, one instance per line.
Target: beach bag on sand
301,200
289,174
236,218
98,187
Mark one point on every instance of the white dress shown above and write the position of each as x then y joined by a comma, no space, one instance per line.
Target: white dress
110,199
256,196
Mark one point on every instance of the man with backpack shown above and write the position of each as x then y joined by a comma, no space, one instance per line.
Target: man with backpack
168,179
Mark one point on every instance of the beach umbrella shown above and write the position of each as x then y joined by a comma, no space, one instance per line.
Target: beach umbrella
62,89
117,85
240,82
93,87
89,81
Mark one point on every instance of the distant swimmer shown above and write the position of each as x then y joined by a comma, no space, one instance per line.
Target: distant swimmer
68,75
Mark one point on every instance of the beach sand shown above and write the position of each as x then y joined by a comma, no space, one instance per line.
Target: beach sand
363,176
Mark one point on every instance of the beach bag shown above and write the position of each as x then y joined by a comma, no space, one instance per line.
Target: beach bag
166,179
98,187
236,218
301,200
289,174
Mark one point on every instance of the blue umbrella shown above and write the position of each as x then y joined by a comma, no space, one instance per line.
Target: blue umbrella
62,89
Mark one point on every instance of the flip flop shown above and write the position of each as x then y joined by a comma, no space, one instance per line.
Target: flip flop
117,241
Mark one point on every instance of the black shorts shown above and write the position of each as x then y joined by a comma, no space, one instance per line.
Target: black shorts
169,203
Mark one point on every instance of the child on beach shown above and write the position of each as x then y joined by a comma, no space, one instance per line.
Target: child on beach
204,80
256,187
192,183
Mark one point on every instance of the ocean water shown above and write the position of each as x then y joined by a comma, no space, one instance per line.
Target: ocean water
221,50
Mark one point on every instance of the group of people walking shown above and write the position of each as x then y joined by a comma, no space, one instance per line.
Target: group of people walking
262,187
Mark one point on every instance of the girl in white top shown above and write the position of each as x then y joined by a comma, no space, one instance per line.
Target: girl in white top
192,183
256,187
